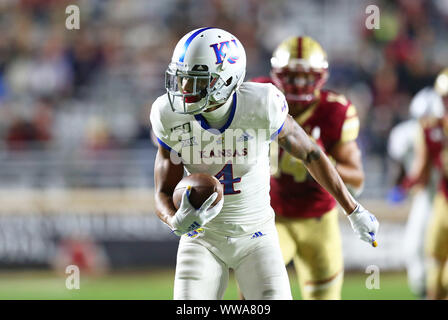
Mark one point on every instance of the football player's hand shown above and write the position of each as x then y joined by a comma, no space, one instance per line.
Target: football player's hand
187,218
397,195
364,224
400,192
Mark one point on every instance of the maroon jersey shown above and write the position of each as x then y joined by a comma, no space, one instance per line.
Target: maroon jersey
436,140
329,121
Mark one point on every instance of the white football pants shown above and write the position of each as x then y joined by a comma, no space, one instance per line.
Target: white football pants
414,240
203,263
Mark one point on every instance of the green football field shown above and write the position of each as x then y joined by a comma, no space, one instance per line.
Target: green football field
158,285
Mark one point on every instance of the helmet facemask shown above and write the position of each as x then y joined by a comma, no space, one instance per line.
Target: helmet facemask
300,85
196,90
188,91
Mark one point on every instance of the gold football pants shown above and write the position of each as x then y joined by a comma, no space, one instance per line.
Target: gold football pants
437,250
315,247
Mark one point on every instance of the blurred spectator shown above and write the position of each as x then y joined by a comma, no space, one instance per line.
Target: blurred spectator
21,134
33,133
98,136
85,58
80,251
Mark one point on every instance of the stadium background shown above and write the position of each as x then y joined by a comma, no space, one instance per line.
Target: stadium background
76,159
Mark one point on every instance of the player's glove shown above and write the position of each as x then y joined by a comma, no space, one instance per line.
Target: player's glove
187,218
364,224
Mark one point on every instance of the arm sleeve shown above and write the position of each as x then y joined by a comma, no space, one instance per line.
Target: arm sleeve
158,129
420,137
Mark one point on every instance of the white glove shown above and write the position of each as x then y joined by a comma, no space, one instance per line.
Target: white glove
187,218
364,224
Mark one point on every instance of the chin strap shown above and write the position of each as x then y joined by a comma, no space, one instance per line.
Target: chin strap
213,103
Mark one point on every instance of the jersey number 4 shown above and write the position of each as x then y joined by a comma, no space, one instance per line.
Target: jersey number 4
225,176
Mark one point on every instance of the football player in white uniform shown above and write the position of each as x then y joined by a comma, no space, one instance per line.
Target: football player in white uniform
401,148
211,121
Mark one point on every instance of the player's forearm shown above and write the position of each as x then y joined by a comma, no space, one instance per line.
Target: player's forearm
419,177
326,175
351,175
421,165
166,177
295,141
164,207
421,168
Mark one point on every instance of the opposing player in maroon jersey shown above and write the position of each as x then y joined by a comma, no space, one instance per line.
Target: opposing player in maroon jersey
432,151
307,215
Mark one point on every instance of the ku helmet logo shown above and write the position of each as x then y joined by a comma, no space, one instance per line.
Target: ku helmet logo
221,50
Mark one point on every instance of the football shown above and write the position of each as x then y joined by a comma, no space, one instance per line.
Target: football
202,187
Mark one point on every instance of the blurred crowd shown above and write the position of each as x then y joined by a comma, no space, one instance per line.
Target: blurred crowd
399,60
92,88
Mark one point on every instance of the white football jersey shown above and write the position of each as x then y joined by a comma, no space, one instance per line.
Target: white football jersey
237,154
403,136
401,142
